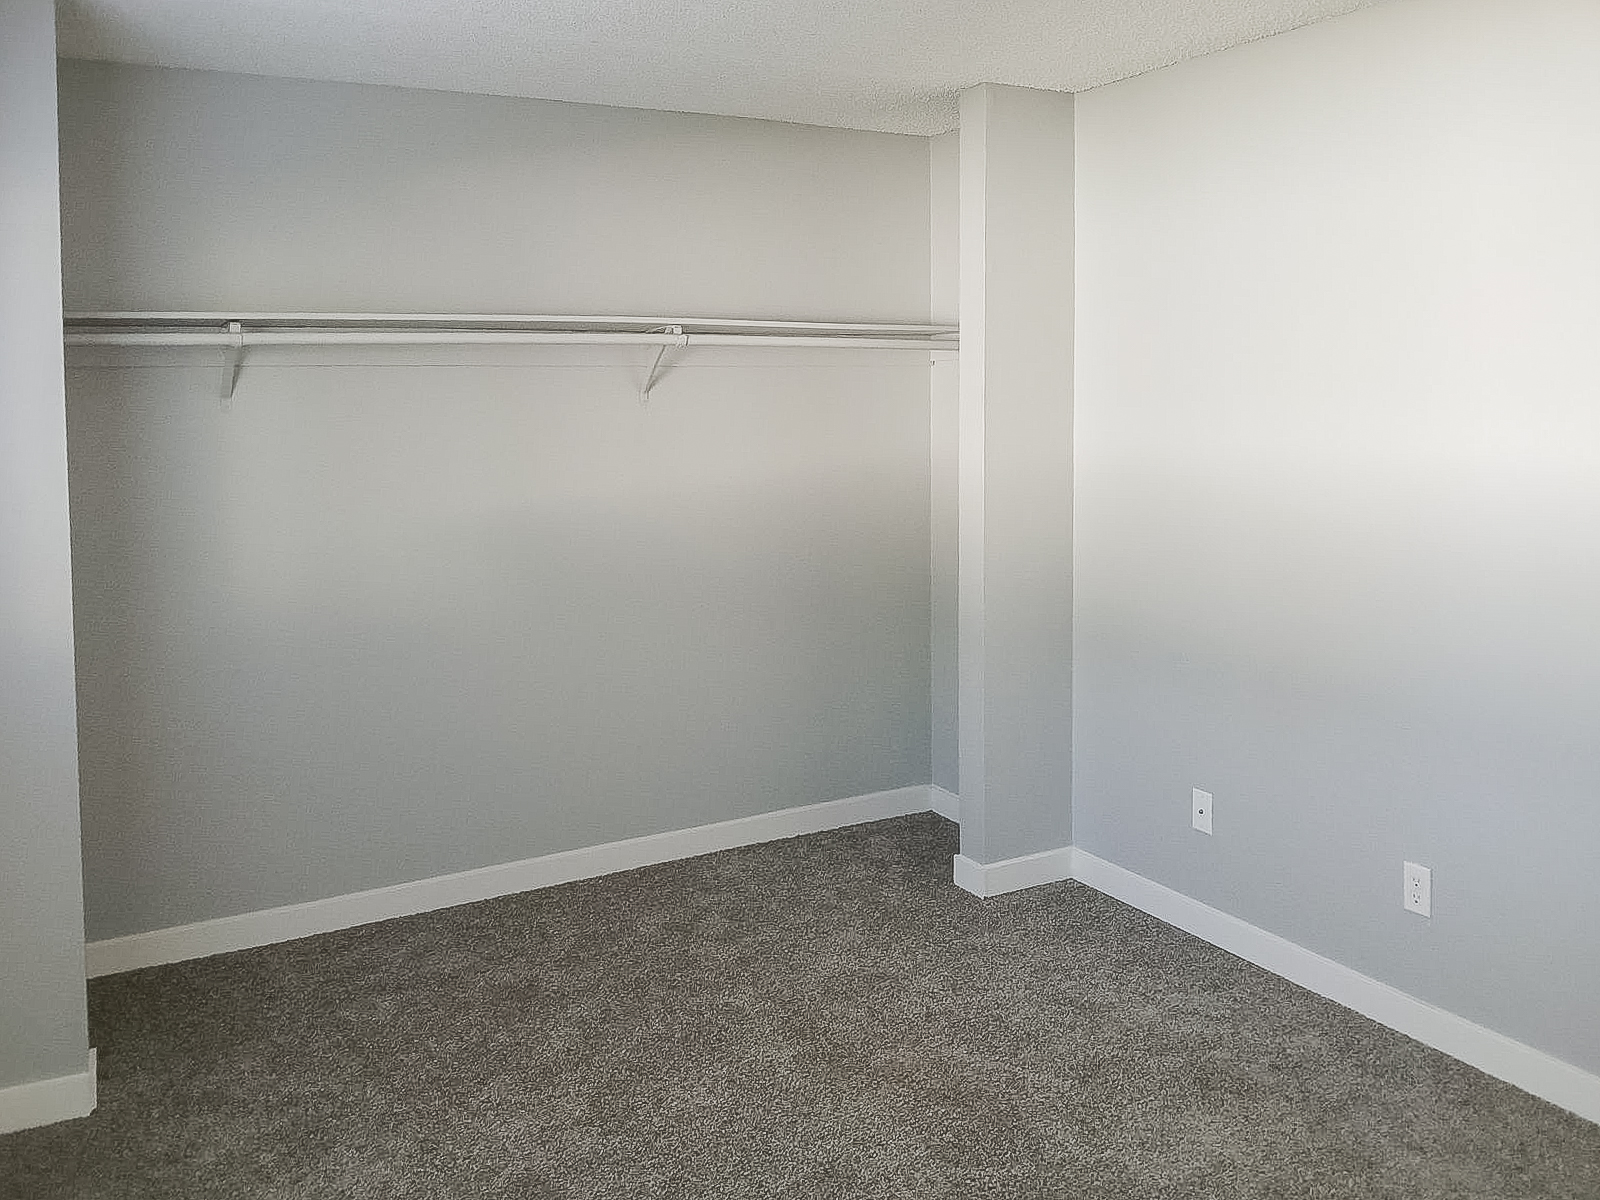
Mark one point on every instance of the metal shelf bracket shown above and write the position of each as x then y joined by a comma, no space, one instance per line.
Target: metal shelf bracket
233,361
653,375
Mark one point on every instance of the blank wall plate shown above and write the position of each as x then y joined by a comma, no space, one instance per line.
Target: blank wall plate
1419,890
1202,811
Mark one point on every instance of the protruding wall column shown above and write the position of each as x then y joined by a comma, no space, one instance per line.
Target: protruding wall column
1015,523
944,224
46,1070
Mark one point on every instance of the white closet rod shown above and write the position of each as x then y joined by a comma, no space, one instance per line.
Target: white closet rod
419,329
236,332
479,337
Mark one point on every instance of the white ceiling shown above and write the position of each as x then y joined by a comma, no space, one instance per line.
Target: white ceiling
867,64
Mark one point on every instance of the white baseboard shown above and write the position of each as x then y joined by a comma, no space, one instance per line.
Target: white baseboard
1493,1053
265,927
1012,874
46,1101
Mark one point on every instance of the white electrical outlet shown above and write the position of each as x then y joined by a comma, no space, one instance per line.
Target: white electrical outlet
1419,890
1202,811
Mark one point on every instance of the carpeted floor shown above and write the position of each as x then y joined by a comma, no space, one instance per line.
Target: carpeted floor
822,1017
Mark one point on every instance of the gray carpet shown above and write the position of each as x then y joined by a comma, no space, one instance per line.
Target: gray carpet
822,1017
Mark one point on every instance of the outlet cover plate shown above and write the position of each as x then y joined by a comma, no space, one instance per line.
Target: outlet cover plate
1202,811
1419,890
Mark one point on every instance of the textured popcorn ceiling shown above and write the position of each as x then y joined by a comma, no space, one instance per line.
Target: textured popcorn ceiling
868,64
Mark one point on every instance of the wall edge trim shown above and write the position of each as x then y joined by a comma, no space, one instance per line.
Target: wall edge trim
1534,1071
946,803
266,927
46,1101
1012,874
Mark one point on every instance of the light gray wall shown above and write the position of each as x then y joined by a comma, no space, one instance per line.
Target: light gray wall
1338,508
944,195
193,189
43,1030
389,615
1015,460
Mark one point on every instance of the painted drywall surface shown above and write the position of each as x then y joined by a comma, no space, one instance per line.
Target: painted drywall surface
944,197
43,1027
1338,508
944,221
394,614
290,195
1015,463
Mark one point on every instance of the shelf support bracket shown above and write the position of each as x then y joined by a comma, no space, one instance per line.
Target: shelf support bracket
653,375
233,361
